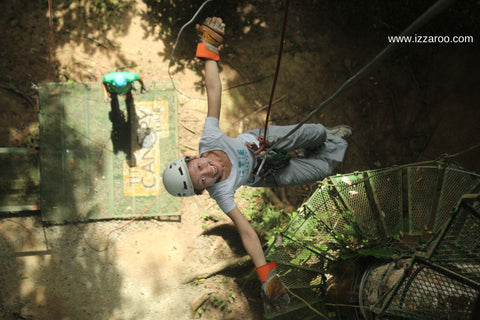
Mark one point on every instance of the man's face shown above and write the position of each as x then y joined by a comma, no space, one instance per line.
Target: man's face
204,172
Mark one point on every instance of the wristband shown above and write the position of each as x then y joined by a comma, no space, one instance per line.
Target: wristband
264,270
203,52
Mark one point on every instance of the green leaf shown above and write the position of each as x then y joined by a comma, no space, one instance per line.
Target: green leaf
304,255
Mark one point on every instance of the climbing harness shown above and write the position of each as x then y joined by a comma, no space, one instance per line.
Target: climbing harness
266,166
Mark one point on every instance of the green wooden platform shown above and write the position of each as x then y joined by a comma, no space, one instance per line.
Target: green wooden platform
91,165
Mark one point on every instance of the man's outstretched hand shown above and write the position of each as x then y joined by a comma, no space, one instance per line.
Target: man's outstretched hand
272,287
211,36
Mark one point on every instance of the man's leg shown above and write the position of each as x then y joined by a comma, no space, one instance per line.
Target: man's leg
308,136
299,171
302,171
319,164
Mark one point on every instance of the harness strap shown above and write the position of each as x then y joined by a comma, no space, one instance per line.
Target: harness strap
257,149
274,160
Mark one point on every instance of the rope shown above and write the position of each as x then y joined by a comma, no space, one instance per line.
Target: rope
307,304
52,38
434,10
175,46
462,152
277,69
264,143
107,245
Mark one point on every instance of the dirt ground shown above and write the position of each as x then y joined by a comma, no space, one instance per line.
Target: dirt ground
418,104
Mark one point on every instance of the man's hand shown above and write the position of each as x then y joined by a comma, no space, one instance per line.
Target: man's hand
211,35
272,287
143,89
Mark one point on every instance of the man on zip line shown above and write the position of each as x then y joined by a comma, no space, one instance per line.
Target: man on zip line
227,163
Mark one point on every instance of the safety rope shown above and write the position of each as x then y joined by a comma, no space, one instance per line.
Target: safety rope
261,150
434,10
264,143
52,37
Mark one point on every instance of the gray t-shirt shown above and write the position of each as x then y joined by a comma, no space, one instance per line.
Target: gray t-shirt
241,158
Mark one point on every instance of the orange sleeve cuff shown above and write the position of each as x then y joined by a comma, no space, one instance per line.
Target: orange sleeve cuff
203,52
263,271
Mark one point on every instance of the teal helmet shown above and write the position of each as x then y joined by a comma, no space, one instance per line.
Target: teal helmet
120,80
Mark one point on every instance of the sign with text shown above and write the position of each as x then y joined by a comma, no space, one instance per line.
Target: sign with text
144,177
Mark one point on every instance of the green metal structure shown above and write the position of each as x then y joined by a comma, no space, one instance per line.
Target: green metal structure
444,281
411,212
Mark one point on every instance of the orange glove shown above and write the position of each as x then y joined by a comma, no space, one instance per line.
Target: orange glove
272,287
211,36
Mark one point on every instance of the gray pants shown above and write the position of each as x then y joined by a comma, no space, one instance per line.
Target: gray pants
322,154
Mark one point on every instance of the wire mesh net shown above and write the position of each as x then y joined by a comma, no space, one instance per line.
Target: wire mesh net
301,269
456,183
372,208
459,247
353,191
422,183
426,293
387,191
323,219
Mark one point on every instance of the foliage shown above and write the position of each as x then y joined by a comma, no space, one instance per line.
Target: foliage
341,241
264,217
107,10
304,255
219,302
104,14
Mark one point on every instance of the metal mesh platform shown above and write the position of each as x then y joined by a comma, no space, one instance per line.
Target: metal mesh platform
444,282
91,164
458,248
427,292
353,213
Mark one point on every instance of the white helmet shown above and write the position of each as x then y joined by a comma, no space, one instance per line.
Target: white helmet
176,179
